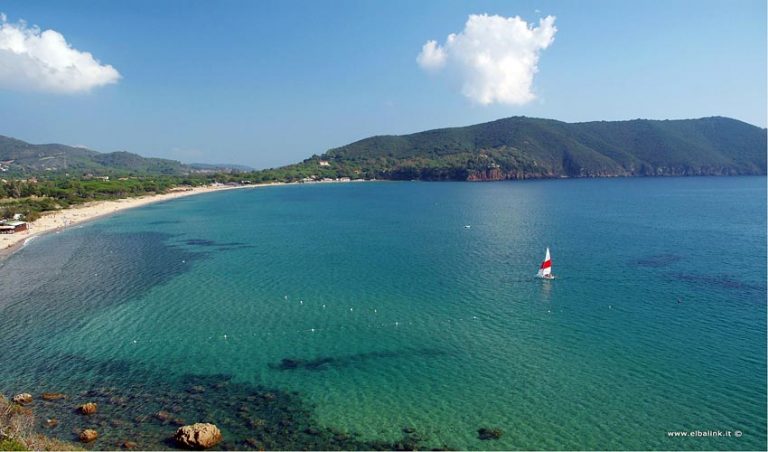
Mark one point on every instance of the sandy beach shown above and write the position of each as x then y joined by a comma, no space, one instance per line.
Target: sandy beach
60,219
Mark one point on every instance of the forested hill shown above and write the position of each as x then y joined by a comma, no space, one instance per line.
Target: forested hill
521,147
19,158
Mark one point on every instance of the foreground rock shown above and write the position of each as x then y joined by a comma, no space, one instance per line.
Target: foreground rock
198,436
23,398
87,408
88,435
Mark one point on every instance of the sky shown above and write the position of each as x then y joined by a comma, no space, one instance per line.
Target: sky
268,83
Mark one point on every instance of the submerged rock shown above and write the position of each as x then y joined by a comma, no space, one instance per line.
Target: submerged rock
52,396
254,444
87,408
198,436
256,423
489,433
88,435
23,398
129,445
52,422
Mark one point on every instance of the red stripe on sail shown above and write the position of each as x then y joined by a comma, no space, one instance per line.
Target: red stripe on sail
546,264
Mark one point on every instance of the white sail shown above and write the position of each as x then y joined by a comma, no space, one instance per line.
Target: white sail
545,270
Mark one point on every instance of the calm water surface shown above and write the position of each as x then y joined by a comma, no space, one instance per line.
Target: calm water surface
372,308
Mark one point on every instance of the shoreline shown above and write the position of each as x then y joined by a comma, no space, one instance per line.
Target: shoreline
59,220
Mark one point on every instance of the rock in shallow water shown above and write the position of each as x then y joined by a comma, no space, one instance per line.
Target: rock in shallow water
489,433
87,408
88,435
23,398
162,416
198,436
52,396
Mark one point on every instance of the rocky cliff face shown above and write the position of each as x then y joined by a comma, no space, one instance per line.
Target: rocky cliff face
494,174
497,174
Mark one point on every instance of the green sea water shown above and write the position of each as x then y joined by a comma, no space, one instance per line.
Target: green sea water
381,310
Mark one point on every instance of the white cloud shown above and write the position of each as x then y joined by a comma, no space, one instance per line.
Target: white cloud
495,57
432,57
31,59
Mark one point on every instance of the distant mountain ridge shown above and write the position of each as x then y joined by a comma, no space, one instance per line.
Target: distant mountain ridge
225,167
511,148
19,158
522,147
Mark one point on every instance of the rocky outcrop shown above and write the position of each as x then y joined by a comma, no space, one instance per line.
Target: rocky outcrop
23,398
486,175
87,408
88,435
198,436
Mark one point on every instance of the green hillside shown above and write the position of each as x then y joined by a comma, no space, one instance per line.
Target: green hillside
521,148
19,159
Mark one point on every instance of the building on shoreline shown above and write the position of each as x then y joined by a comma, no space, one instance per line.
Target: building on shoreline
13,226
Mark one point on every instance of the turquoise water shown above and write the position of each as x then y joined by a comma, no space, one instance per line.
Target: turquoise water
389,313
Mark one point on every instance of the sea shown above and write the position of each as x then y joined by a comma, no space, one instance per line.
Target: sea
402,315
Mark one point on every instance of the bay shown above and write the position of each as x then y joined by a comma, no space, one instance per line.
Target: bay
369,312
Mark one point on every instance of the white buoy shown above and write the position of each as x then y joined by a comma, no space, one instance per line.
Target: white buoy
301,301
225,337
323,306
350,309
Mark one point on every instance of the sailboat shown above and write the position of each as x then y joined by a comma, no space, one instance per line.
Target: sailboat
545,270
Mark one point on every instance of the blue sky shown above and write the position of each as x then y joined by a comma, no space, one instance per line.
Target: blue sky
269,83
